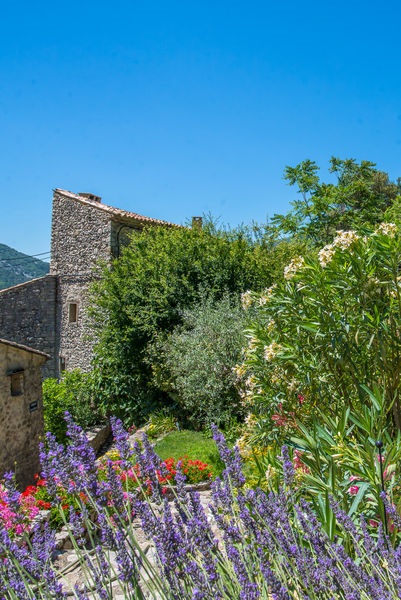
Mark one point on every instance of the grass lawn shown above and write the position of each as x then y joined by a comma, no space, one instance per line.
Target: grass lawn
192,444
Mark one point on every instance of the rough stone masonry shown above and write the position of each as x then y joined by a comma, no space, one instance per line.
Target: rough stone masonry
50,313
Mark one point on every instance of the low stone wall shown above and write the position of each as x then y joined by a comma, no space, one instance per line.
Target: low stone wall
98,436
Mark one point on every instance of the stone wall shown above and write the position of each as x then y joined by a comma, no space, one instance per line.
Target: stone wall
28,316
21,415
50,313
76,338
81,236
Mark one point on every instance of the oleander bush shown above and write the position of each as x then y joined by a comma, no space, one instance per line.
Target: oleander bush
349,459
326,335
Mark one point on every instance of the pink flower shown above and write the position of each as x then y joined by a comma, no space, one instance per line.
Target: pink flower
354,478
298,464
373,523
386,474
301,398
353,490
279,420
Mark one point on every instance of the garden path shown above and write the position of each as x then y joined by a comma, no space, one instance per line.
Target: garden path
67,560
73,574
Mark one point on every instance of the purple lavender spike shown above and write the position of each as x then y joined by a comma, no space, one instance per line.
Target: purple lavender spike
121,441
288,467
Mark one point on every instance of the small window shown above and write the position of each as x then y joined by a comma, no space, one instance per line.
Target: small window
72,312
62,363
17,383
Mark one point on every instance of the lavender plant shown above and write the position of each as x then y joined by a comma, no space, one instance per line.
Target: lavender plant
245,544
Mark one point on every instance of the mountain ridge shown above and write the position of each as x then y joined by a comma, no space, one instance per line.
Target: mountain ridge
17,267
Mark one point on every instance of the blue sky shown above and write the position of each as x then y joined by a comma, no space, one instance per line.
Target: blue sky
181,108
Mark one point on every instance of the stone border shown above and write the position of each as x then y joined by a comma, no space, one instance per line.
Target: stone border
98,436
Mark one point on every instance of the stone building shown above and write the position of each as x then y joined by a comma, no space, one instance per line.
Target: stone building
49,313
21,410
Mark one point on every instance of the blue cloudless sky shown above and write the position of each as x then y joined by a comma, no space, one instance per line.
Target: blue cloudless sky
174,109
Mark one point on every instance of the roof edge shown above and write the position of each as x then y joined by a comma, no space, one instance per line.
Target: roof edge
24,283
23,347
117,213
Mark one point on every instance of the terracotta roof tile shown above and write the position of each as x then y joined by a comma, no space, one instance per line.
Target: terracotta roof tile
118,213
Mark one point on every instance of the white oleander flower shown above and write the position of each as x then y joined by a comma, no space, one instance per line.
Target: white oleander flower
251,420
246,299
294,266
326,254
239,370
250,383
292,385
269,352
252,343
271,325
344,239
266,295
389,229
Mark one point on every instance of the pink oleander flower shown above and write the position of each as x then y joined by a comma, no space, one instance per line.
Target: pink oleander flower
353,490
387,475
298,464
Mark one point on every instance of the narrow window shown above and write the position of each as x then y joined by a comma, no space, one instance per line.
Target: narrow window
17,383
72,312
62,363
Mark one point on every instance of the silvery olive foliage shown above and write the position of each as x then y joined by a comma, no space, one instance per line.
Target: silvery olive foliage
194,364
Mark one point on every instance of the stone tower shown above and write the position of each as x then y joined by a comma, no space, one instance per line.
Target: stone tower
50,313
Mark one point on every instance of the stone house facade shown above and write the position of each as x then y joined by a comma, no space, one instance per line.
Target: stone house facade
21,410
50,313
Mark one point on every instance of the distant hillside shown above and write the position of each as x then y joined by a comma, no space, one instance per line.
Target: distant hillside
16,267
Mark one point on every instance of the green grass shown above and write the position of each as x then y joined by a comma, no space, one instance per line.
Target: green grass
192,444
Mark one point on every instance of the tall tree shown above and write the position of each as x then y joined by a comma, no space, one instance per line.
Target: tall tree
361,196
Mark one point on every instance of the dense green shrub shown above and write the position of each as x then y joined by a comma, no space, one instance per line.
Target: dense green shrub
195,364
73,393
144,293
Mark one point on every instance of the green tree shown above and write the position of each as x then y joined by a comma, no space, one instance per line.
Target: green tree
162,272
360,197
